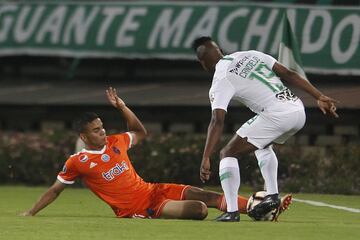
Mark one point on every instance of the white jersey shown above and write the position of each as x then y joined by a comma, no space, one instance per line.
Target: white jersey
248,77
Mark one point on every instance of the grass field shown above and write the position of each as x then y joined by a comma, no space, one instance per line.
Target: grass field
78,214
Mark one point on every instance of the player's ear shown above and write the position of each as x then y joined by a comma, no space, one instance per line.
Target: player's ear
83,137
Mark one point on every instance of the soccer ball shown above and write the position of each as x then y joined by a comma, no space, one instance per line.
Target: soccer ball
254,200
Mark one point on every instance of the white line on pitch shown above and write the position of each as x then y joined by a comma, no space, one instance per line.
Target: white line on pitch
322,204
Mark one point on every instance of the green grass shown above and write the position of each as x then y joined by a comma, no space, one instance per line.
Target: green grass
78,214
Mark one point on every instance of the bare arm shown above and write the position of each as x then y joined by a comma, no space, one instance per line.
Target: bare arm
325,103
133,123
48,197
214,133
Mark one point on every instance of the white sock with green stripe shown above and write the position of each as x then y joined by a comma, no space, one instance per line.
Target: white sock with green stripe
268,165
230,182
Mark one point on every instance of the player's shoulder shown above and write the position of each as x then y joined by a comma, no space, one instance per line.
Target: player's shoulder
222,67
252,51
78,156
75,155
258,54
119,138
240,58
241,54
226,64
122,140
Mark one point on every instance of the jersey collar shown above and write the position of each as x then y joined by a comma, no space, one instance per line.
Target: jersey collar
227,57
95,151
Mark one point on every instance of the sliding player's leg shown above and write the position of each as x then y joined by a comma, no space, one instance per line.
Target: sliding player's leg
213,199
216,200
284,205
175,201
184,209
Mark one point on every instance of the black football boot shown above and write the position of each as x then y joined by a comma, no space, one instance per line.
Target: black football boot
229,217
269,203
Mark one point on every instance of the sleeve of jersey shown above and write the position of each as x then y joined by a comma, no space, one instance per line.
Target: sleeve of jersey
129,139
68,174
126,139
268,60
221,95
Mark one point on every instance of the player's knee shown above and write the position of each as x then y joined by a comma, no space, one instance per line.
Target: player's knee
201,211
224,152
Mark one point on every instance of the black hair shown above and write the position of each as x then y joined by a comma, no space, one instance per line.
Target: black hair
83,120
200,41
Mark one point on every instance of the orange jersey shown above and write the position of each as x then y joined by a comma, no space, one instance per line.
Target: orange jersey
110,175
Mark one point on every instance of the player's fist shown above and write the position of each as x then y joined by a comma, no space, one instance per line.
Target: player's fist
205,170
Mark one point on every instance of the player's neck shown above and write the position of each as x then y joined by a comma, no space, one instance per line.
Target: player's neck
213,64
94,148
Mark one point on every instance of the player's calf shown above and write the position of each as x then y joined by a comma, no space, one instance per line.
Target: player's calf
184,209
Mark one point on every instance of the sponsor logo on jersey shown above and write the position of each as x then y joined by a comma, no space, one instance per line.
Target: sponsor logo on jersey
64,169
244,72
115,150
115,171
105,158
238,65
286,95
83,158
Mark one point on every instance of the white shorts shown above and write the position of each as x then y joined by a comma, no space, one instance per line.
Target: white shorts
265,128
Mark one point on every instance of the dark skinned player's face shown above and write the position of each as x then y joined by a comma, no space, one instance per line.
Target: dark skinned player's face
208,54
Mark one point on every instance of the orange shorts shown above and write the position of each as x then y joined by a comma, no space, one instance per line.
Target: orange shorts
161,193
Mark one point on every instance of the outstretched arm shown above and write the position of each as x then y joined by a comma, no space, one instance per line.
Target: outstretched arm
48,197
134,125
325,103
214,133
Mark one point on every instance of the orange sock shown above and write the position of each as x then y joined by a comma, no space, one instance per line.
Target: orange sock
221,205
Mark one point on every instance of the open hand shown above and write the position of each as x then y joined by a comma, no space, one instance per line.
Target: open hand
114,99
327,105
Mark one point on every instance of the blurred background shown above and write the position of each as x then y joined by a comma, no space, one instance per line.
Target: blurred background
58,57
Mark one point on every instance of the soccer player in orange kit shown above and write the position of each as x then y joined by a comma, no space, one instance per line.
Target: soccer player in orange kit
105,168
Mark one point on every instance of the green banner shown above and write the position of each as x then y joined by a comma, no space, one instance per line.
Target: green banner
329,37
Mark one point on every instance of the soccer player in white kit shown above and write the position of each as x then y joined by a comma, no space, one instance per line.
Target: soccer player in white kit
253,78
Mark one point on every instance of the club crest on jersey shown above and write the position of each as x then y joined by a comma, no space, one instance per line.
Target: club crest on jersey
116,150
115,171
83,158
105,158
